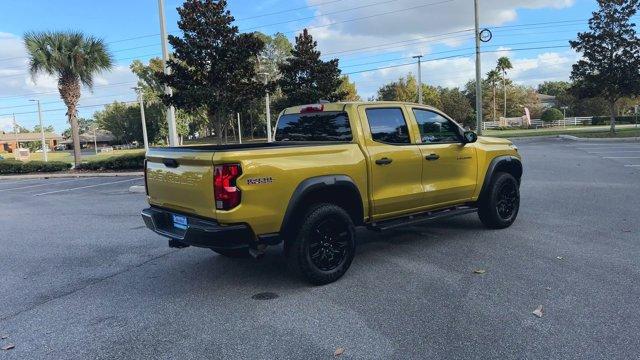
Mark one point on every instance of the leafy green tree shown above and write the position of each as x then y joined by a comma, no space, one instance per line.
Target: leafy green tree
551,115
152,90
123,121
213,68
456,105
48,128
405,89
503,65
349,89
307,79
84,125
74,58
610,64
493,77
554,88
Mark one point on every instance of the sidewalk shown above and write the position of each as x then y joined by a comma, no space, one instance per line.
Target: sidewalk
621,139
69,175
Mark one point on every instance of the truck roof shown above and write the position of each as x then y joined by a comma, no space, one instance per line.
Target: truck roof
342,105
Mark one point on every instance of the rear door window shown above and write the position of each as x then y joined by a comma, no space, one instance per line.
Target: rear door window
388,125
320,126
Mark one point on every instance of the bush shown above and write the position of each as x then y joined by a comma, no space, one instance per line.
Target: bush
552,114
19,167
122,162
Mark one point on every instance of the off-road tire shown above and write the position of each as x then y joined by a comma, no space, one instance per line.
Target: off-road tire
498,207
322,248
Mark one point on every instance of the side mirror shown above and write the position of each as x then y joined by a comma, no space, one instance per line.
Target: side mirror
470,137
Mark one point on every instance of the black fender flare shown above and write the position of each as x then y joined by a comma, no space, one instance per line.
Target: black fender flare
499,161
318,183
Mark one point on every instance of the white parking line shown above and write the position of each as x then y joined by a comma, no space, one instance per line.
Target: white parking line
632,165
86,187
614,152
32,186
621,157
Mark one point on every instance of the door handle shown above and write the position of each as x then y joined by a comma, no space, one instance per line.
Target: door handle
384,161
432,157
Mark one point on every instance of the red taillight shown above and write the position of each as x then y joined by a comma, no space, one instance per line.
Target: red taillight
312,108
226,193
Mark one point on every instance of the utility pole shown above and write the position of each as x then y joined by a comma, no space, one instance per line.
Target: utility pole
144,120
95,139
171,111
44,144
15,132
419,57
239,130
478,71
267,105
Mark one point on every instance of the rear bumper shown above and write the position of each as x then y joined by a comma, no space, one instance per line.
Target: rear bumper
198,232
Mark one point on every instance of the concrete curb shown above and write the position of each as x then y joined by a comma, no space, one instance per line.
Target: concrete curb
69,175
604,140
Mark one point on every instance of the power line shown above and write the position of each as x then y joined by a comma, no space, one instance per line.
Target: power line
288,10
65,109
455,56
55,91
313,17
370,16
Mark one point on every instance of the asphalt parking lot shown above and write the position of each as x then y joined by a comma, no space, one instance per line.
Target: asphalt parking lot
82,277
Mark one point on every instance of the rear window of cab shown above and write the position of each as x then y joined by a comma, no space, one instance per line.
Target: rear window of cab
316,126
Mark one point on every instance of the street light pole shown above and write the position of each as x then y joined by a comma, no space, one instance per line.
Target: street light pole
44,145
145,140
478,71
419,57
171,112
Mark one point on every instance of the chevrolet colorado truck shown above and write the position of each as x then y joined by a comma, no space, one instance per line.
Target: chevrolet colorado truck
331,167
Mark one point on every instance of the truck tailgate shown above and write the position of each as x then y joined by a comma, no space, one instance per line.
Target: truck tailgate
181,180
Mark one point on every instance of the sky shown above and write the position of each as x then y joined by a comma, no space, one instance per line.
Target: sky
374,41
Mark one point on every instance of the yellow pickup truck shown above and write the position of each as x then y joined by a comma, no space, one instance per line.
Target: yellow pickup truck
330,168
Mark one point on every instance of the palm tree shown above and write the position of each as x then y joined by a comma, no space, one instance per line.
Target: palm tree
493,77
504,64
74,59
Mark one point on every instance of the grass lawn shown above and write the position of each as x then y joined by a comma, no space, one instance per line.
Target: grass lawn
68,156
580,131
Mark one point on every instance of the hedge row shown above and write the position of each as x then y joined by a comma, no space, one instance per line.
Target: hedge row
19,167
606,120
122,162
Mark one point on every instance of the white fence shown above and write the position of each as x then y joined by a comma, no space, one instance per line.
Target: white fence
537,123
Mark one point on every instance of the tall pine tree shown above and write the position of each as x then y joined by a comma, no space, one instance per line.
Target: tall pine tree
610,64
213,66
307,79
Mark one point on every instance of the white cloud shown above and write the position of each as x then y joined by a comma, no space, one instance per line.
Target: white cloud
419,31
388,22
17,86
6,124
457,72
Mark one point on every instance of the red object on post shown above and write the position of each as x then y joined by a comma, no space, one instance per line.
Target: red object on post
226,193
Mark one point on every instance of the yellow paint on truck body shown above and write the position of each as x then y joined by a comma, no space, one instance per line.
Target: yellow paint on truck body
270,175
